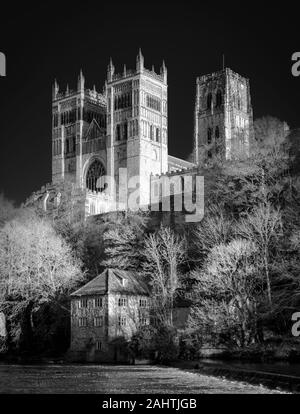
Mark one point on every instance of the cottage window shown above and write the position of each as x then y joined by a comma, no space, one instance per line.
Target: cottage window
82,322
83,303
143,321
98,303
98,321
122,302
122,321
143,303
98,345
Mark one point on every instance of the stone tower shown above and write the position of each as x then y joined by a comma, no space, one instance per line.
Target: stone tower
137,126
78,133
223,117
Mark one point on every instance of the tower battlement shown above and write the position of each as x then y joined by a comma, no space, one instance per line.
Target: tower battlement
112,76
131,73
217,74
92,94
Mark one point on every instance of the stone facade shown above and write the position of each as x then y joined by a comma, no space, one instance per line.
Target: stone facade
223,117
95,134
105,313
99,135
137,122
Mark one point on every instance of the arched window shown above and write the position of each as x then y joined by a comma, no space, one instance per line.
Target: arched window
209,100
234,100
125,130
118,133
95,172
157,135
217,141
219,99
151,132
209,136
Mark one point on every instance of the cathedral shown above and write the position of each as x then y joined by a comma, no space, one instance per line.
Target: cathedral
105,143
108,143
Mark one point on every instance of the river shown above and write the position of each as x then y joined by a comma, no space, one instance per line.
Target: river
110,379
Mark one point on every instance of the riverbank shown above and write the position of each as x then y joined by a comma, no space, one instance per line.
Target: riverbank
284,376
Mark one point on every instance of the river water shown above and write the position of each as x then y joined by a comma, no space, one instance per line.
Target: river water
110,379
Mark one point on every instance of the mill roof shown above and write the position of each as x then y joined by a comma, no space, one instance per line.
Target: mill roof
114,281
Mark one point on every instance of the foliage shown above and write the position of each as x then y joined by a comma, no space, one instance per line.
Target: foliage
270,135
86,241
7,210
123,241
241,262
160,342
36,266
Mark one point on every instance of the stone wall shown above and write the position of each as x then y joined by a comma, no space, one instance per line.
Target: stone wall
3,332
84,338
110,334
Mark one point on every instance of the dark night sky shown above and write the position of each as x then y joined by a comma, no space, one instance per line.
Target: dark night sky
48,41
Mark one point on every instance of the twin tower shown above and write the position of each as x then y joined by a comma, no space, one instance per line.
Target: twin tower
126,126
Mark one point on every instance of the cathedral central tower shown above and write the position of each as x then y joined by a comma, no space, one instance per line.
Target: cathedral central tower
223,117
137,124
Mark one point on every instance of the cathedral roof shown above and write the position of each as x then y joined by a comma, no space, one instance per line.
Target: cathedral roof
114,281
175,163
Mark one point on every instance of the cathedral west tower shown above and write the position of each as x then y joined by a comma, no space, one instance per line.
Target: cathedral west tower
78,134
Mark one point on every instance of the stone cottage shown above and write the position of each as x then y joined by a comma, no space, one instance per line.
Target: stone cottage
105,313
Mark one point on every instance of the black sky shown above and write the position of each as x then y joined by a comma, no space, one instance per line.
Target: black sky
47,41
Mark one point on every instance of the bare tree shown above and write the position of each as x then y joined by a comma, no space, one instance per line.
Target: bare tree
164,252
36,265
226,290
263,226
214,229
270,135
